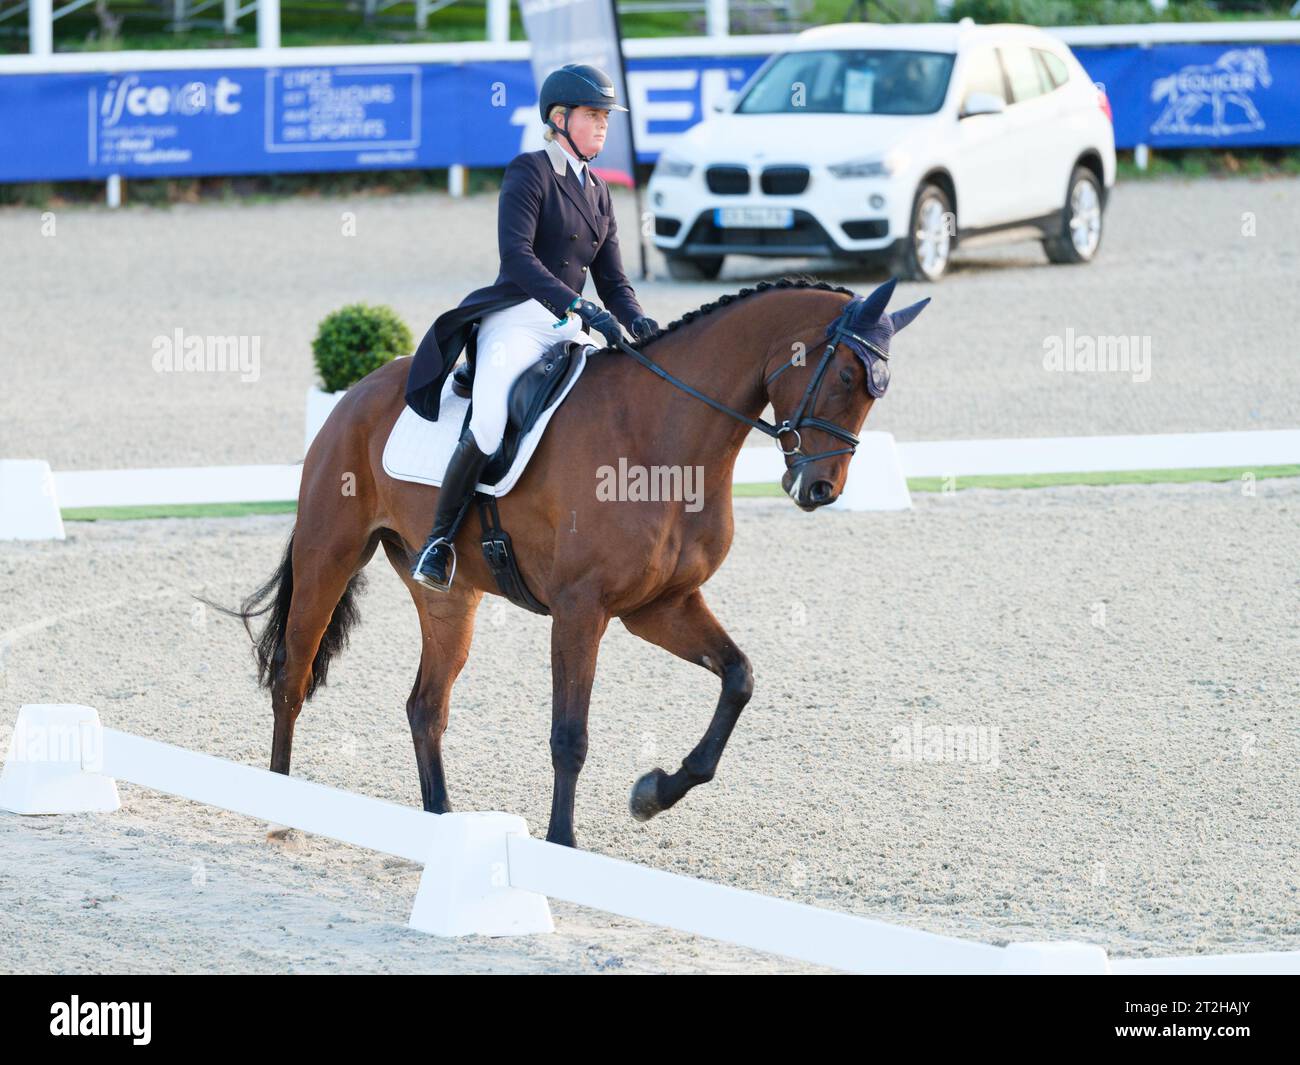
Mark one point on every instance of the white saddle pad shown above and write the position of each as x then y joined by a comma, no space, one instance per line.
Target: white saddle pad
418,449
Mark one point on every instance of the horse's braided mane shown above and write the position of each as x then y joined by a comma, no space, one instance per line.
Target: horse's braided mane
789,281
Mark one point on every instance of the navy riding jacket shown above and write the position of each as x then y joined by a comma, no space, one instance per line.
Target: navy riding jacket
551,231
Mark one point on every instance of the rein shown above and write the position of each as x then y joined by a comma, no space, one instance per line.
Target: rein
837,332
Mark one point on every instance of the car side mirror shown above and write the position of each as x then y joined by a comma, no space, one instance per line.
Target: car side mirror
982,103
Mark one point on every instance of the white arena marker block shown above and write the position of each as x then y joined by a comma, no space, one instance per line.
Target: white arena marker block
465,887
55,763
1054,959
29,507
320,405
875,480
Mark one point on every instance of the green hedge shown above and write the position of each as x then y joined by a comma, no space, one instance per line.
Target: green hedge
1081,12
356,340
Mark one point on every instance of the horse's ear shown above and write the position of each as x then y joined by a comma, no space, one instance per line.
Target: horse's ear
874,305
903,318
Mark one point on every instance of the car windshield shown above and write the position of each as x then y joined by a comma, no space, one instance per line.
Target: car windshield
858,82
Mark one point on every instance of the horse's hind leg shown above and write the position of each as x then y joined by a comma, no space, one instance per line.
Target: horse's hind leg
688,629
323,571
446,629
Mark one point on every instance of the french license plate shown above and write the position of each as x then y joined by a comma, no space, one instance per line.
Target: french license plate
753,217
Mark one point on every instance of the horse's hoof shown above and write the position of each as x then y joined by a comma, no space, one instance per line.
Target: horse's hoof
644,799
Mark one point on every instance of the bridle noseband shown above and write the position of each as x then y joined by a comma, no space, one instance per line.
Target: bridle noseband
839,331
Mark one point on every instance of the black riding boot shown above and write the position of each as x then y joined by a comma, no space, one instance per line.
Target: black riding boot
463,470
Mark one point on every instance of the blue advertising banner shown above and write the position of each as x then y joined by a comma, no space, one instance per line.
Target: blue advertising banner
236,121
171,123
1121,72
1198,95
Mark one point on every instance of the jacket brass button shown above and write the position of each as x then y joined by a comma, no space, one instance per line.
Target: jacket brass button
584,269
564,262
574,237
593,243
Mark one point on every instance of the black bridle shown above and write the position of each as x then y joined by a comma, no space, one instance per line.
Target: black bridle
839,331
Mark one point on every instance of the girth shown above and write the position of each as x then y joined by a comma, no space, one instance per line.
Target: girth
500,556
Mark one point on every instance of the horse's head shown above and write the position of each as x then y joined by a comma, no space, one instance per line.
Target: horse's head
1257,64
1162,87
1252,61
821,395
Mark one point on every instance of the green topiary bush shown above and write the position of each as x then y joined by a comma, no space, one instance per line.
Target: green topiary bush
356,340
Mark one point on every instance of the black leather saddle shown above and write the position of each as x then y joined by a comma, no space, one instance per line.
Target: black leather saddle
534,392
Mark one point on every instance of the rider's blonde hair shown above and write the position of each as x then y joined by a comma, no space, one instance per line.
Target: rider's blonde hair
548,133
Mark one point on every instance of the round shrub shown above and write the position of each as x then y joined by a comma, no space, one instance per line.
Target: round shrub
356,340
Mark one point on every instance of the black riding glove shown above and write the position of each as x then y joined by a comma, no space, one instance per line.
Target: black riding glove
599,319
643,327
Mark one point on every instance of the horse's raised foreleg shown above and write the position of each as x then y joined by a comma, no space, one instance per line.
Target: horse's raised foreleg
446,629
688,629
576,631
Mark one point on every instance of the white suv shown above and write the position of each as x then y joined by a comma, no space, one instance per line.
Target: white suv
896,142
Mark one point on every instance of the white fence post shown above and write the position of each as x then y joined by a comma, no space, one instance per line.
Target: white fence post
268,23
465,888
718,18
875,480
54,762
40,27
29,501
498,21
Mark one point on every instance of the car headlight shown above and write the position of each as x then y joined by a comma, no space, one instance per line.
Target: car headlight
860,168
671,166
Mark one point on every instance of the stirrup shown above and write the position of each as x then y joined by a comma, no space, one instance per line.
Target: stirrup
417,574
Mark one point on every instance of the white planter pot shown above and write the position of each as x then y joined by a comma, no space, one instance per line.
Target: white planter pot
319,405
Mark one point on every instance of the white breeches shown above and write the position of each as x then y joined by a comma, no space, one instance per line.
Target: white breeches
509,341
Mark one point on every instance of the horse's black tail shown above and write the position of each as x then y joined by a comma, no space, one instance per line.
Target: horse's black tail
273,599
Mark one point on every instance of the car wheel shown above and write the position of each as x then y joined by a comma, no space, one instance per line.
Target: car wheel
1080,235
700,268
923,254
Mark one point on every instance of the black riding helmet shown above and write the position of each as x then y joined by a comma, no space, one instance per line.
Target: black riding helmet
576,85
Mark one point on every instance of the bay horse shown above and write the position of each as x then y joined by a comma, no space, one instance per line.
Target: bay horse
587,559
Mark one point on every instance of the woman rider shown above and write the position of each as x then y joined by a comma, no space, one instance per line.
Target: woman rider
555,221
